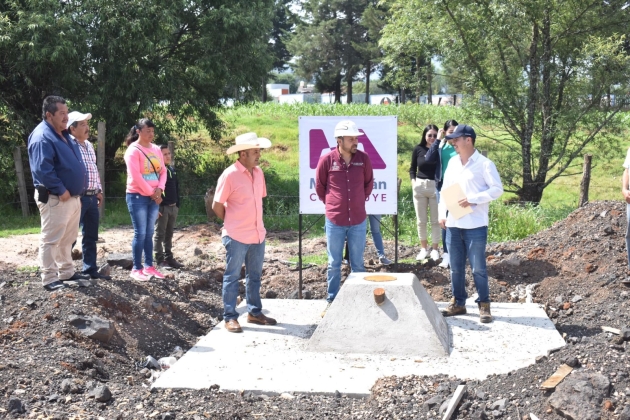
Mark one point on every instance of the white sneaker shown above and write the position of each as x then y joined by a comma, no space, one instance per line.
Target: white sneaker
446,260
139,275
422,255
435,254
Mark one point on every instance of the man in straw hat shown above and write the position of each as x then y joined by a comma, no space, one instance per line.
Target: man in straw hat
238,201
343,181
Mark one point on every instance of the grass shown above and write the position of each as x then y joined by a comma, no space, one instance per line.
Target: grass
280,164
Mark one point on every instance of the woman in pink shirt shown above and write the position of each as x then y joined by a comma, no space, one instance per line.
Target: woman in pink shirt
146,177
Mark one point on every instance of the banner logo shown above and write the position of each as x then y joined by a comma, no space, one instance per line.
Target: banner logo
319,142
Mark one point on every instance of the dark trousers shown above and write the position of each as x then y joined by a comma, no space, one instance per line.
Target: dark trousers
89,224
163,238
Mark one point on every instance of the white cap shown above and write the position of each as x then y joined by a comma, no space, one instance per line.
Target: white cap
75,116
346,128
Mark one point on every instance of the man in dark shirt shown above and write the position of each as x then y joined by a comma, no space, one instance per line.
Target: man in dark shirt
169,208
343,181
59,178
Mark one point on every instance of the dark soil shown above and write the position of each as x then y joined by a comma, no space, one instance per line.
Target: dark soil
49,370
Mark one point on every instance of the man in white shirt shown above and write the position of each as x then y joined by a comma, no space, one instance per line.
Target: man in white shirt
467,236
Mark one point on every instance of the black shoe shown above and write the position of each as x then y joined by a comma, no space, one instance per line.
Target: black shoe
100,276
78,276
55,285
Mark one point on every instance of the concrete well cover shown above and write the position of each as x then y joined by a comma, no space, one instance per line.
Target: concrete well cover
408,323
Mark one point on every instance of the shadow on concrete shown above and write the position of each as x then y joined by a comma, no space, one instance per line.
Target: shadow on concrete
295,330
390,309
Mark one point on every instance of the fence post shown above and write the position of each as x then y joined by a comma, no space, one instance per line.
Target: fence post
171,148
586,180
100,163
19,171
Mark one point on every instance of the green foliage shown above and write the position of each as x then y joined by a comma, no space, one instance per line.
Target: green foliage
539,76
121,60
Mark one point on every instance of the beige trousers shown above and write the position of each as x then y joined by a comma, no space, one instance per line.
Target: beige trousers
425,200
60,227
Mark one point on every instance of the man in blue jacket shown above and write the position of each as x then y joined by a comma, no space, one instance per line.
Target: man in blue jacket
59,177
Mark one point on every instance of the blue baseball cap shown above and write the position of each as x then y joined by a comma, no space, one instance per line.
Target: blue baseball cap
462,131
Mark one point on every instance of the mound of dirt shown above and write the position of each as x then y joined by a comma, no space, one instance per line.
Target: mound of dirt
52,369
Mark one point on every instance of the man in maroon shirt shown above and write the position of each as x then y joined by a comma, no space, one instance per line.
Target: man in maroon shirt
343,181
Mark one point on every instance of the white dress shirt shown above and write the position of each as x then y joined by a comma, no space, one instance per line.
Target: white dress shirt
480,182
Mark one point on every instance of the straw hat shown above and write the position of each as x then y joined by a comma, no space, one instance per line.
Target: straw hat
249,141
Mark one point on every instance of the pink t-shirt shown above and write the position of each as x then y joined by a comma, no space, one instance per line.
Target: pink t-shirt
141,178
242,195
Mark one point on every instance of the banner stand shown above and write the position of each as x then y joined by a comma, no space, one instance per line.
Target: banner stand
304,232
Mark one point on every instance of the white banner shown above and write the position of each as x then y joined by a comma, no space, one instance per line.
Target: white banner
379,141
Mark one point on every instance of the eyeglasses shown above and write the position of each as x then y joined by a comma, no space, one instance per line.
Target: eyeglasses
431,135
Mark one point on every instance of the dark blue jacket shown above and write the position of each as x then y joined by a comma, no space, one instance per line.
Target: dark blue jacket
55,164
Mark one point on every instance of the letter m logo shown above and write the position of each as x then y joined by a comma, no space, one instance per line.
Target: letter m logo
318,142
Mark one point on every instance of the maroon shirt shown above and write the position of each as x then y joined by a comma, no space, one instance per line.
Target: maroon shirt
344,188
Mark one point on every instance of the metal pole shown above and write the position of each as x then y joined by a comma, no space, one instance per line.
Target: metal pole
300,256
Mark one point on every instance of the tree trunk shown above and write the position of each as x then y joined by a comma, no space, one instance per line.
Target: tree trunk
338,89
349,88
368,70
429,82
531,192
264,89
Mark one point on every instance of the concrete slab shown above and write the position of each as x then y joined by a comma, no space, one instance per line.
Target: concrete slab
408,323
274,359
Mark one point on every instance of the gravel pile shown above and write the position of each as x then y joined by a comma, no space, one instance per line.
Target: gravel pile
93,352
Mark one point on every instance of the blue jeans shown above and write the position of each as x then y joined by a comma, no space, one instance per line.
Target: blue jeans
236,254
144,213
375,230
89,223
336,236
469,243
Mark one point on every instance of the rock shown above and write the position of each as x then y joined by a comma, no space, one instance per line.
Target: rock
608,230
120,260
105,270
571,361
576,299
499,405
496,413
580,396
625,414
559,299
286,396
101,393
197,251
432,402
77,255
480,394
15,406
307,294
513,261
608,405
146,302
479,415
566,306
93,327
168,416
68,386
541,359
271,294
444,406
625,334
152,363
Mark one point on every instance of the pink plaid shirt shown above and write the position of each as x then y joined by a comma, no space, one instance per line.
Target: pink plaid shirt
89,159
